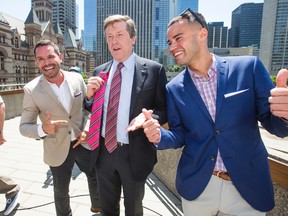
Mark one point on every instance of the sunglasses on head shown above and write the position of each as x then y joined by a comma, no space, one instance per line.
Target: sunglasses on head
189,14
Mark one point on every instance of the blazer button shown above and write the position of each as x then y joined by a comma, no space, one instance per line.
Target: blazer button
212,158
69,132
70,117
217,132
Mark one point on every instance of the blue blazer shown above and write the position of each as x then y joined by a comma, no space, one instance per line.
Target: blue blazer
242,100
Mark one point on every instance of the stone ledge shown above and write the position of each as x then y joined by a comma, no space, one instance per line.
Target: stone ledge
166,167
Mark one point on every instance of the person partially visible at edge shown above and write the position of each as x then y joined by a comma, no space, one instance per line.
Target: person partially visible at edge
7,185
143,85
56,97
83,162
75,69
214,107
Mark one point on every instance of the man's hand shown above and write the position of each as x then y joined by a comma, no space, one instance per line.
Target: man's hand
138,121
93,85
151,127
279,95
82,138
51,127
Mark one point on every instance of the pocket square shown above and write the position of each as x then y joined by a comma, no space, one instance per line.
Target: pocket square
77,94
234,93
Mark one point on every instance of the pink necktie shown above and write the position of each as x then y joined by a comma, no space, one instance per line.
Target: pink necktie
96,114
112,111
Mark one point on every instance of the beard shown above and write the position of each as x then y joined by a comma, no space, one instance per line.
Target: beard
52,72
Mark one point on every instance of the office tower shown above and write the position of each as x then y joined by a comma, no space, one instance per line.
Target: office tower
182,5
246,25
141,11
64,12
218,35
90,14
77,15
274,35
43,9
160,20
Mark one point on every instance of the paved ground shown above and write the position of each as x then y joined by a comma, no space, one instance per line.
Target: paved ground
21,158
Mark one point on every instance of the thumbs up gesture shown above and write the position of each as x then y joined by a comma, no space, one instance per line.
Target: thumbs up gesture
279,95
51,127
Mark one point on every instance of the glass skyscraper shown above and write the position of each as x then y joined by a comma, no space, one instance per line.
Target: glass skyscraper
141,11
90,27
246,25
274,36
64,12
218,35
184,4
160,20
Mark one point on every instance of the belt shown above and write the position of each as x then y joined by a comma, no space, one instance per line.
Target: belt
222,175
120,144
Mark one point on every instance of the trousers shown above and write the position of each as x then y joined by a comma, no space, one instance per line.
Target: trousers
220,198
62,177
8,187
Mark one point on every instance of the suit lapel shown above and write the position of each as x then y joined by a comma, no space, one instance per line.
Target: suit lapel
140,75
45,85
222,76
193,92
71,91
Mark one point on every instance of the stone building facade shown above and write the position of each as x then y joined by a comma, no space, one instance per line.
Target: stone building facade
17,41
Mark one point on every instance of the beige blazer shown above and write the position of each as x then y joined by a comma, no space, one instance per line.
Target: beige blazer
40,98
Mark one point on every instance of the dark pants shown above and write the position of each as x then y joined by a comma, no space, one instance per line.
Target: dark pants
62,176
114,170
83,162
61,180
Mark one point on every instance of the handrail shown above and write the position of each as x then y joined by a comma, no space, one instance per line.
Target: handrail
5,87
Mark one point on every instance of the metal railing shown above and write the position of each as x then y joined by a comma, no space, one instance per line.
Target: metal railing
8,87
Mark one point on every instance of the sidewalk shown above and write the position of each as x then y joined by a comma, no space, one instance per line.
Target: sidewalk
21,158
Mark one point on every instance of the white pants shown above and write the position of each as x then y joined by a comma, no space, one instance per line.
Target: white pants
220,198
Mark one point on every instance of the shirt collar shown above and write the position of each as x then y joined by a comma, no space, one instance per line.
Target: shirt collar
212,71
127,63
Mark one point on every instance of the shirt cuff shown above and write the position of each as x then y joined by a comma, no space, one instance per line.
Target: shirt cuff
40,131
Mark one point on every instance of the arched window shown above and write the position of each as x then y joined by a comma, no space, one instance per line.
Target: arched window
25,71
16,42
2,65
18,71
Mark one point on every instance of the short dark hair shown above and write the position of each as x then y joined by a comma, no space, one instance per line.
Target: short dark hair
47,42
200,19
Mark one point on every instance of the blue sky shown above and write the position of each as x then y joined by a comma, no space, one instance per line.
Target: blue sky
213,10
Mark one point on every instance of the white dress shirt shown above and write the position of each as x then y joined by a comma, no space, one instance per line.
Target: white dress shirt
127,73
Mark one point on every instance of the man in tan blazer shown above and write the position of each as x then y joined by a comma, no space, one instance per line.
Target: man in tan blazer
56,97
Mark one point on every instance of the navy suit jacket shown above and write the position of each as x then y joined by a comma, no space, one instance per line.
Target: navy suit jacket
242,100
148,91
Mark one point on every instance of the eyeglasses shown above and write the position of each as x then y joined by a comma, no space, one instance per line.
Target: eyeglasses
189,14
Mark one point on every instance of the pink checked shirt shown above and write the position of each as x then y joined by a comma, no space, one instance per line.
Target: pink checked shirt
207,88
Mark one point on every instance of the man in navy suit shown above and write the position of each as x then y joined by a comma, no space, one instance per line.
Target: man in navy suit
143,85
214,107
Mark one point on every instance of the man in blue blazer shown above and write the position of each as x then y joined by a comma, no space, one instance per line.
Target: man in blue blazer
214,107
